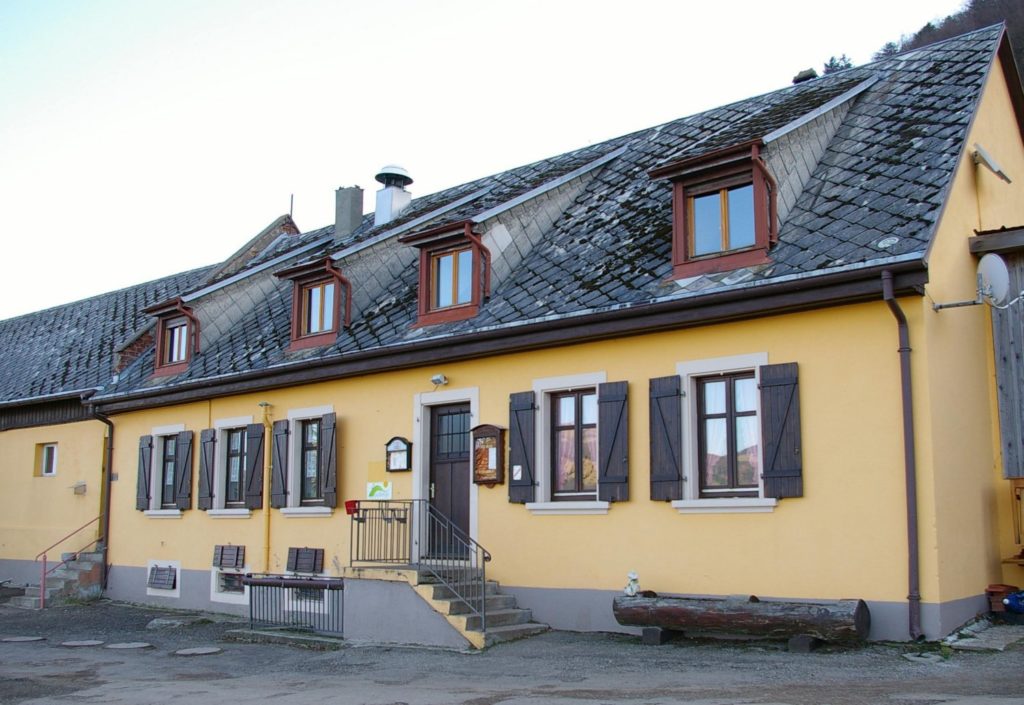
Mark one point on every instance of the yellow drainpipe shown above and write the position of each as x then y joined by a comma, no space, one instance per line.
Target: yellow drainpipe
268,436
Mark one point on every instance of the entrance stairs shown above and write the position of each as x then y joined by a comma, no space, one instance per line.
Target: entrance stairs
80,577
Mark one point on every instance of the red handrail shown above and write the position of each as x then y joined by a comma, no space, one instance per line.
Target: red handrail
44,572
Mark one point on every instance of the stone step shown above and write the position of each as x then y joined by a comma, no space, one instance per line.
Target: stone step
443,592
53,587
492,602
497,618
498,635
24,602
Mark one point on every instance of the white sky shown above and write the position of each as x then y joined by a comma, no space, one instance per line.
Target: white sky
139,138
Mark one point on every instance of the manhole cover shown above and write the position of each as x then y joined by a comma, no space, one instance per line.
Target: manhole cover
198,651
84,642
21,639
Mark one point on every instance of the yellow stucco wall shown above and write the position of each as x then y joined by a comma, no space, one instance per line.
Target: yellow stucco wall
836,541
965,500
36,511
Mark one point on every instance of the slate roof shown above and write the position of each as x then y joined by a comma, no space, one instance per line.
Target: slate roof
884,174
72,347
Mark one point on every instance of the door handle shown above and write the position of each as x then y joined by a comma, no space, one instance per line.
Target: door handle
431,490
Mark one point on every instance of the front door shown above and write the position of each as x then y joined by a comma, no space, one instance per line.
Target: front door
449,474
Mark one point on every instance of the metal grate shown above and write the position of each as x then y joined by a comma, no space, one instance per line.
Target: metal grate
310,604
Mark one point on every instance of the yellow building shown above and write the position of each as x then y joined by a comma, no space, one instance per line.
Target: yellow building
717,353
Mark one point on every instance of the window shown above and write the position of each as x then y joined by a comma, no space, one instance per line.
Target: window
318,308
234,486
451,279
168,463
175,341
725,435
231,583
304,466
454,273
46,460
164,484
568,445
309,463
723,211
574,445
728,444
177,336
227,575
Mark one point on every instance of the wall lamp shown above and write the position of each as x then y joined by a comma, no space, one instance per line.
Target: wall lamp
439,380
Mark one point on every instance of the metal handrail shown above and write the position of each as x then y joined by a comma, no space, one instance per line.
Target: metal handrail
415,533
44,572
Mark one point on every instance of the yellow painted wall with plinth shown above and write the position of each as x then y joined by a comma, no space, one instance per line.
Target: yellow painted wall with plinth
36,511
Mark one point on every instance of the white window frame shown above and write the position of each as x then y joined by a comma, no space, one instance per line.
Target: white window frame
220,468
42,460
231,598
689,372
295,419
543,389
155,511
155,592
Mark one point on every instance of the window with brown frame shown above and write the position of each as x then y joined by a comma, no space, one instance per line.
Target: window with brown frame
451,278
574,445
309,463
234,482
454,273
728,435
168,453
318,308
318,291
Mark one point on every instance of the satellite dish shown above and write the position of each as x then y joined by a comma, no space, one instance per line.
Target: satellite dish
993,280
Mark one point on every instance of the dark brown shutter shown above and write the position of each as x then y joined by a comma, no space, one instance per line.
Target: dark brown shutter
522,443
780,431
254,434
329,459
162,577
613,442
666,439
207,446
142,496
306,560
183,470
229,556
279,466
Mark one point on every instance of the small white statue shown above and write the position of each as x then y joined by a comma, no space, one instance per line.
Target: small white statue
633,586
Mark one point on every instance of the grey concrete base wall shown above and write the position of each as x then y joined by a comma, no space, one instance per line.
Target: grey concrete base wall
19,572
385,612
591,610
128,584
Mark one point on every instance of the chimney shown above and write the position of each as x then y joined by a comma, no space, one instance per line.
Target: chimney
348,210
392,198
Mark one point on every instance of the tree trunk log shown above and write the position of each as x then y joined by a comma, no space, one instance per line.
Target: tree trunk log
841,621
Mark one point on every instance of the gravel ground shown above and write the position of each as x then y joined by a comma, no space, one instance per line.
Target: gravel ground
557,667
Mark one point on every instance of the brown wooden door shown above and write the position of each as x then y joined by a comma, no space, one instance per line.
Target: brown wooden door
449,472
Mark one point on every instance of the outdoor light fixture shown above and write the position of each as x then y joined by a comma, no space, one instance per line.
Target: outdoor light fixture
439,380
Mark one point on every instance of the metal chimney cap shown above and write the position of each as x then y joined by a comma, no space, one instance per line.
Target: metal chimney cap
393,175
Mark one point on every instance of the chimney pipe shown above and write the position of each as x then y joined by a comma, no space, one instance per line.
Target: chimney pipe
392,197
348,210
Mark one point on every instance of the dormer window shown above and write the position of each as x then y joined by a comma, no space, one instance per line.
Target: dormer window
723,211
454,273
316,303
177,337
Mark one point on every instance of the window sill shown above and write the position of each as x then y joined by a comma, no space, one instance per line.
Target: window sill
730,505
568,508
300,512
229,513
163,513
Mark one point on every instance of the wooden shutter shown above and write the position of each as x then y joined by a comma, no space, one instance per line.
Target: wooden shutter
522,444
207,449
780,431
306,560
613,442
329,459
666,439
183,471
279,466
253,464
162,577
229,556
142,494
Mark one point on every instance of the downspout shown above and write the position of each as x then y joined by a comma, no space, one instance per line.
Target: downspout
773,186
485,256
268,434
344,282
187,313
108,463
909,459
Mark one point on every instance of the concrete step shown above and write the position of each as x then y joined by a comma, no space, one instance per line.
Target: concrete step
24,602
497,618
443,592
492,602
498,635
53,588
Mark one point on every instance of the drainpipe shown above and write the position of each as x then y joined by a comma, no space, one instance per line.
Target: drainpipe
268,435
485,256
108,462
773,188
344,283
909,459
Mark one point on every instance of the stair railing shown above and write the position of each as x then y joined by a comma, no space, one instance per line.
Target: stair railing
414,533
44,572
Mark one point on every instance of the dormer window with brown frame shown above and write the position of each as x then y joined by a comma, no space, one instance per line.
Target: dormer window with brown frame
316,303
454,273
723,211
177,337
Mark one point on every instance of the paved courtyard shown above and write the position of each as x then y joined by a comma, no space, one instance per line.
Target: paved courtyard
558,667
